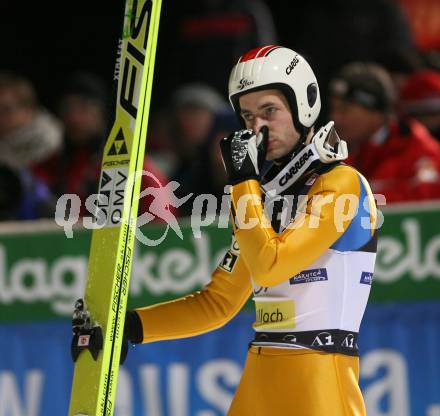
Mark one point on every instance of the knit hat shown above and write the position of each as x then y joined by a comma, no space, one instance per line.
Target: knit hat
366,84
421,93
87,85
198,95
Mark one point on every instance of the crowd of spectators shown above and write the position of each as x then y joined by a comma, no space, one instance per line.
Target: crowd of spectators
397,153
386,105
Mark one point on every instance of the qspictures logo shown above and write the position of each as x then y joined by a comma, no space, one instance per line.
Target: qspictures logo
106,210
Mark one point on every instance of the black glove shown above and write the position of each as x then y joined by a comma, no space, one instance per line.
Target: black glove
133,333
244,153
87,335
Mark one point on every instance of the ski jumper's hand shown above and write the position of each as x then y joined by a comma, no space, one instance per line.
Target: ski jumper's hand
87,335
132,332
244,153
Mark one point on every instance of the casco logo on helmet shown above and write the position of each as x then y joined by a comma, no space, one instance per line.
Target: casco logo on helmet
292,64
244,83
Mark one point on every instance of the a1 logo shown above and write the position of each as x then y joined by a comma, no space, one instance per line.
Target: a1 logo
228,261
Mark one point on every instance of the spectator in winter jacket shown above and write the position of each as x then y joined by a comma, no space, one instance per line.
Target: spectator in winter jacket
29,136
83,108
420,98
197,116
399,157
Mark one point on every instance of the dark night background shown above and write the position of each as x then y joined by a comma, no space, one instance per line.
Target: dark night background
45,42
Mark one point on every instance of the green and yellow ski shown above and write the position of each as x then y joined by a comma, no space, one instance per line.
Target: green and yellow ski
111,252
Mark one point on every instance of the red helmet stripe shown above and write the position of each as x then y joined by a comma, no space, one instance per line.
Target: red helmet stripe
257,53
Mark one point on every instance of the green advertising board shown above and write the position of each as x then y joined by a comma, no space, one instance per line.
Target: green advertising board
42,272
408,257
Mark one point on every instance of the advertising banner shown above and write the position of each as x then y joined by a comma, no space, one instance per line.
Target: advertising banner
400,367
43,273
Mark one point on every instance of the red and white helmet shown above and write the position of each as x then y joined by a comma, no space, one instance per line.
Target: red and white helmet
281,68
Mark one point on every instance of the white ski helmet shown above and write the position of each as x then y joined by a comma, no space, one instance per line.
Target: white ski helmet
280,68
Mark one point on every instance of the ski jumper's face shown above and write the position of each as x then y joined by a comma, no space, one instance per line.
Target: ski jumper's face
270,108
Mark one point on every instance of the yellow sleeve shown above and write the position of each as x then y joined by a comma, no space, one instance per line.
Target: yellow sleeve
273,258
202,311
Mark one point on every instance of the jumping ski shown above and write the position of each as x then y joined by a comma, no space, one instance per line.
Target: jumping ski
97,348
